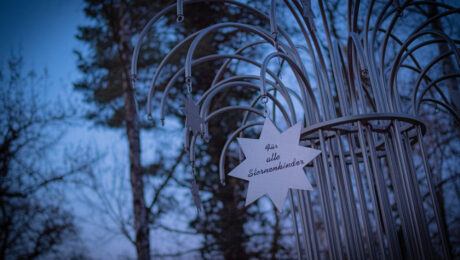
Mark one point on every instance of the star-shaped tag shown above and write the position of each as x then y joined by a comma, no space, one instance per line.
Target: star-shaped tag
274,164
193,119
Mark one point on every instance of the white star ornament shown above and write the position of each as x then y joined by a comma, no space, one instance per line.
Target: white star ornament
274,163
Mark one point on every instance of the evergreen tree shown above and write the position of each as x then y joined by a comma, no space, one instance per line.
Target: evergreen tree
107,86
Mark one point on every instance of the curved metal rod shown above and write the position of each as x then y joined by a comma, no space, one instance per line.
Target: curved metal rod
283,88
449,108
449,76
195,62
277,104
393,22
398,41
180,11
363,118
296,70
226,109
361,56
321,74
165,60
423,44
207,100
407,4
254,77
245,27
231,108
366,26
369,58
216,113
333,53
160,68
410,51
227,144
427,80
224,66
372,62
163,63
423,73
232,138
210,93
161,13
396,63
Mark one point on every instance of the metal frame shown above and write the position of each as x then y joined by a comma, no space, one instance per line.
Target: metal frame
368,191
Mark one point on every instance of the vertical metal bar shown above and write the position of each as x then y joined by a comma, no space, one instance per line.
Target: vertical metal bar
323,200
362,199
406,199
409,191
393,244
311,225
350,200
341,205
370,180
296,228
400,198
305,229
426,240
431,188
330,196
303,223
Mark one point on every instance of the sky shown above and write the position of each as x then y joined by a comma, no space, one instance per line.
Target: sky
43,33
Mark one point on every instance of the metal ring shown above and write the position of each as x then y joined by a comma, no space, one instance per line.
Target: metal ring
264,99
180,18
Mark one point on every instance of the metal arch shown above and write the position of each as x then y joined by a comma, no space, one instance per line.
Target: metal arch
393,22
224,66
298,71
433,83
397,62
225,148
448,107
422,74
427,80
161,13
220,87
195,62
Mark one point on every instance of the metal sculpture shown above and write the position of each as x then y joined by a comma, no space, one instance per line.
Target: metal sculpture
366,183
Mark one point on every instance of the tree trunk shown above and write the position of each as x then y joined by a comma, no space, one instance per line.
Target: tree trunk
447,68
448,65
137,183
132,131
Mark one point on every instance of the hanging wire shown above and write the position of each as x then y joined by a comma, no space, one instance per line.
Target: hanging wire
180,11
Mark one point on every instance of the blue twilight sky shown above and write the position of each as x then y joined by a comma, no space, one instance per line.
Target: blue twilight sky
43,32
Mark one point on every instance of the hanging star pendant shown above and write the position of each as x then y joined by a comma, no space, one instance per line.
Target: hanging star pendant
274,164
193,119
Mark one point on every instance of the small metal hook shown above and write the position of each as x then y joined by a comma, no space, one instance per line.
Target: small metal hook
188,83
